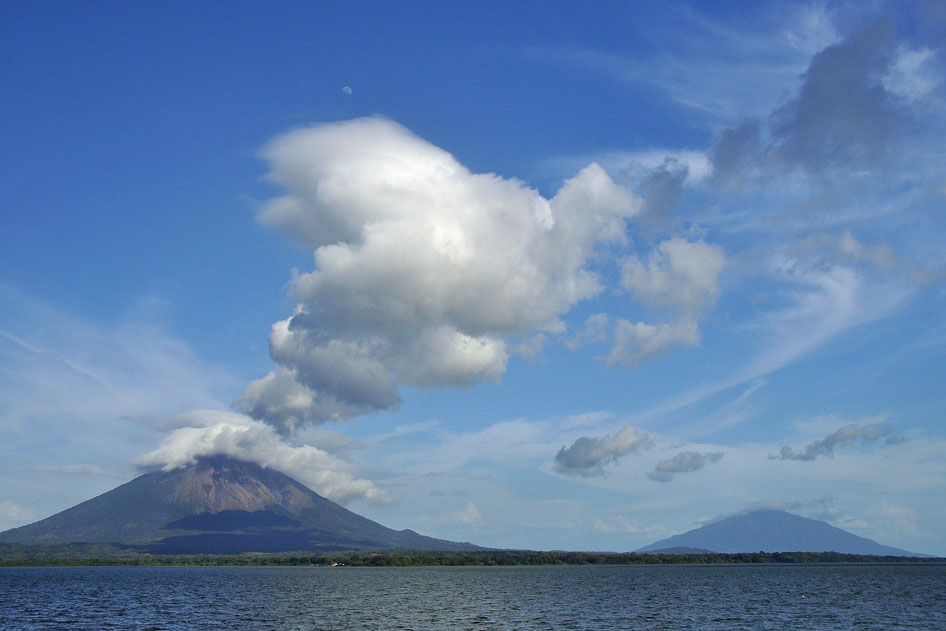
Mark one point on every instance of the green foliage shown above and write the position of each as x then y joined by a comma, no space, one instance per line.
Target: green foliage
88,554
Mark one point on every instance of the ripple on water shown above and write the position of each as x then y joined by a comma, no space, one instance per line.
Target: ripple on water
517,598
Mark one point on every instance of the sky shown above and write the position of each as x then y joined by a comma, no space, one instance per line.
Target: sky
563,276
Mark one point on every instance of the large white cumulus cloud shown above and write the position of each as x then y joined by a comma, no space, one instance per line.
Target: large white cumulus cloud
203,433
423,269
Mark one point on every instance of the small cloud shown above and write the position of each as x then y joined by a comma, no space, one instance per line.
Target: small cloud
13,513
347,90
529,349
469,515
844,436
72,469
594,331
635,343
681,463
680,275
823,508
587,419
587,456
622,525
662,189
824,250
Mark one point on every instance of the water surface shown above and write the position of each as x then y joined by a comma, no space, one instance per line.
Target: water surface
577,597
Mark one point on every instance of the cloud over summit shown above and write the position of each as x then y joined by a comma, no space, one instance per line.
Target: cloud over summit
210,432
423,269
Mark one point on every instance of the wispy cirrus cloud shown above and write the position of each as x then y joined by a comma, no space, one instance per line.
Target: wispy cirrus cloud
700,55
78,375
72,469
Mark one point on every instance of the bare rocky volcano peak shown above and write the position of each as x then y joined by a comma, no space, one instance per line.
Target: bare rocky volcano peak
220,483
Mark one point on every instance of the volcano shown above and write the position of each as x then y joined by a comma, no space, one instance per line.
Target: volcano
219,505
772,531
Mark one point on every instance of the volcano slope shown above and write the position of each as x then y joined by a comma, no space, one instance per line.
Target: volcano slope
219,505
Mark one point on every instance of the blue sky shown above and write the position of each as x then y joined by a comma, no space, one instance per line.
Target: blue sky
580,277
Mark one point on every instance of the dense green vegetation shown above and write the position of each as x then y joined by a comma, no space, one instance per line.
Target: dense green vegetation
89,555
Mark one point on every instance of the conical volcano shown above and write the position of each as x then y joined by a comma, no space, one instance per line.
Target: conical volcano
772,531
219,506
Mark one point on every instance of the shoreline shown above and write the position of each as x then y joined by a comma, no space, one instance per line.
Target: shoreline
74,556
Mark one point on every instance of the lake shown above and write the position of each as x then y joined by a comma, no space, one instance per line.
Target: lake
420,598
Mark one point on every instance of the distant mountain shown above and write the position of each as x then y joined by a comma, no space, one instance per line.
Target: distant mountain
219,506
773,531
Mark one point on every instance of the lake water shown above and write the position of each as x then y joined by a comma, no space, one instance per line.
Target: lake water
582,597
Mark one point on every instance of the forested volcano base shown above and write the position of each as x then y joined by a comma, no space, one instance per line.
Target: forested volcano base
13,555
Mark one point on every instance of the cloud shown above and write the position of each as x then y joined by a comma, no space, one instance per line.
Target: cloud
701,55
844,436
662,189
825,298
858,101
594,330
736,155
635,343
824,508
347,90
79,377
469,515
211,432
880,255
680,275
623,525
587,419
823,250
12,514
72,469
843,114
912,75
586,457
681,463
423,269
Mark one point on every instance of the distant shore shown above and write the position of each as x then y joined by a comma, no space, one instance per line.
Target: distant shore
12,555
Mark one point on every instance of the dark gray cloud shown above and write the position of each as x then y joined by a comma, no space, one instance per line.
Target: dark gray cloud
844,114
662,189
683,462
737,153
852,107
844,436
586,457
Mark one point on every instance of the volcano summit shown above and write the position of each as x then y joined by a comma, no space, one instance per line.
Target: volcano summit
219,506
